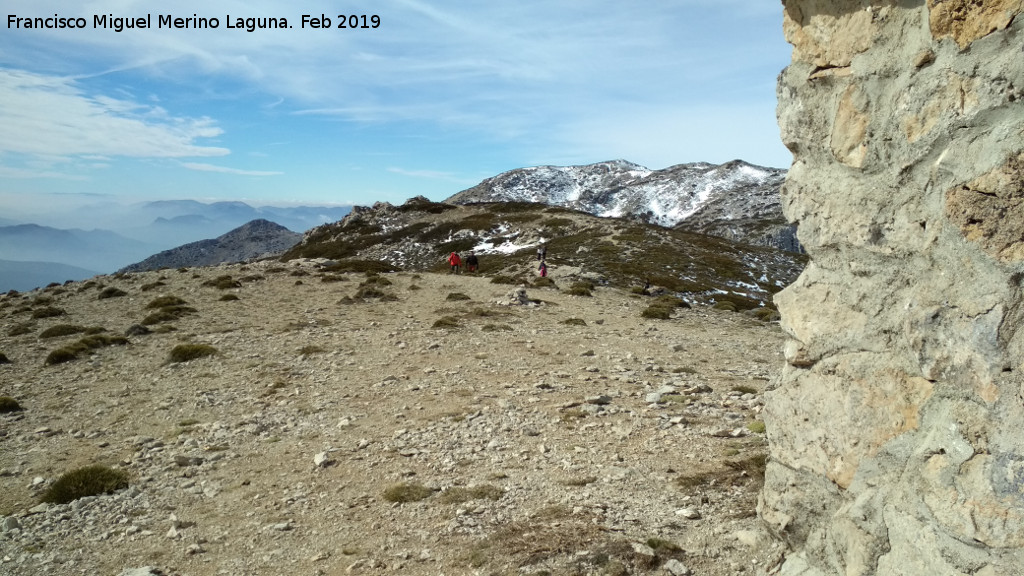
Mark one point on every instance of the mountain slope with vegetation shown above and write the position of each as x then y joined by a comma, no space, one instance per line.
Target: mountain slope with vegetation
420,234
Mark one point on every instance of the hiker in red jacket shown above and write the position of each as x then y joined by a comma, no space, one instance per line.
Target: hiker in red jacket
455,262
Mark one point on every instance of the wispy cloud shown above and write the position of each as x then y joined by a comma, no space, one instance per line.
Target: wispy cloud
225,170
431,175
26,174
51,115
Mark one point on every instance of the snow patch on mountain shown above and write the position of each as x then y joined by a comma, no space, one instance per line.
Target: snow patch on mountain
619,188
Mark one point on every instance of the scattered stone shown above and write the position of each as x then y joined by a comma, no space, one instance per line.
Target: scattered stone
322,460
144,571
688,513
676,568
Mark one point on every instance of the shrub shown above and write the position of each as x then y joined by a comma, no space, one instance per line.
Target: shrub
544,282
186,352
360,266
574,322
165,301
662,307
459,494
446,322
581,289
407,492
71,351
725,305
136,330
228,298
373,279
455,296
224,282
757,427
82,482
744,389
310,350
19,329
48,312
167,314
766,314
152,286
111,292
61,330
496,328
60,356
8,404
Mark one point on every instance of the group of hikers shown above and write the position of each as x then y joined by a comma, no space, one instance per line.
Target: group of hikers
473,263
455,261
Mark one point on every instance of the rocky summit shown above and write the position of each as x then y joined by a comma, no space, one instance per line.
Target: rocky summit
735,200
290,418
255,239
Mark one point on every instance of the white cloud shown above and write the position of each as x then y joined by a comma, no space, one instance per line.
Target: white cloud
225,170
53,116
431,175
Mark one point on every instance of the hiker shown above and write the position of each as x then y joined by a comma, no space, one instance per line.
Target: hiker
455,262
542,252
472,263
543,269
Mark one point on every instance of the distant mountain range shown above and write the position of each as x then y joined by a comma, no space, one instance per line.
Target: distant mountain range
735,200
23,276
38,255
254,239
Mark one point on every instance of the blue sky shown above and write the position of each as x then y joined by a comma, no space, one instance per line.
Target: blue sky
441,95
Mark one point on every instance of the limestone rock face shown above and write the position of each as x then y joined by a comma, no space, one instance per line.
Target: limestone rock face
897,428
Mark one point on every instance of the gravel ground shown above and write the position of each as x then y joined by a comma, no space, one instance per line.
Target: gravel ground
336,435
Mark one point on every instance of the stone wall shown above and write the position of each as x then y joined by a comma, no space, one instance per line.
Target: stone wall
897,429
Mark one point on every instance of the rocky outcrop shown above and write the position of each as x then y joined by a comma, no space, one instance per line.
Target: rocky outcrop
897,428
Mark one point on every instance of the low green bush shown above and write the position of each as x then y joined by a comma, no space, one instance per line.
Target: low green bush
186,352
111,292
224,282
61,330
167,314
82,482
446,322
20,329
8,404
48,312
405,492
72,351
456,296
165,301
581,289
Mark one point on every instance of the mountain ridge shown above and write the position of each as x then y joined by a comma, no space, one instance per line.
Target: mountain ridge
736,199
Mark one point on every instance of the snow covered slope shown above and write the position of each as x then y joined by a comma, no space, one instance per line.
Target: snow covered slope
736,200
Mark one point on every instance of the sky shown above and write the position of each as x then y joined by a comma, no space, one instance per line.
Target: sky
440,95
